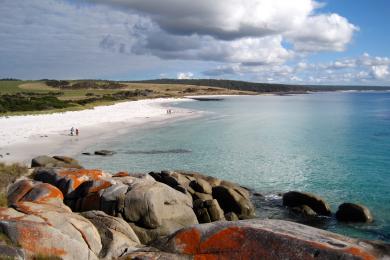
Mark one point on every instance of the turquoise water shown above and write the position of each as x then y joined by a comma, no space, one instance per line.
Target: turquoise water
336,145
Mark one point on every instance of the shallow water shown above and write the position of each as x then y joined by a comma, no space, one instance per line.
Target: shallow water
336,145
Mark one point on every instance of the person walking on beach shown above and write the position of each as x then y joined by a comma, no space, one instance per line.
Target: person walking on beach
77,132
71,131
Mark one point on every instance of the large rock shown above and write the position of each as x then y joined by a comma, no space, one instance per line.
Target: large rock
208,211
232,201
349,212
50,231
116,234
231,197
261,239
55,161
68,180
298,199
33,191
153,205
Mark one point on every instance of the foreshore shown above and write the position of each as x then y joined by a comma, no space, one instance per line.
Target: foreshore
23,137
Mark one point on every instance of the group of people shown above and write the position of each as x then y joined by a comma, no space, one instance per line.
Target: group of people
169,111
74,131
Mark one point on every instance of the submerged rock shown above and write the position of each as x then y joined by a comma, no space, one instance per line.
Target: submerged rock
104,152
298,199
349,212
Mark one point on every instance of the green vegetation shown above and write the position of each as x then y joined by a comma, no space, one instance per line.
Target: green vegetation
257,87
235,85
47,96
8,174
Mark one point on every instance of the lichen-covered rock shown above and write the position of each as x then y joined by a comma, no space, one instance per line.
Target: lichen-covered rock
297,199
349,212
117,235
55,161
265,239
34,191
68,180
48,230
64,220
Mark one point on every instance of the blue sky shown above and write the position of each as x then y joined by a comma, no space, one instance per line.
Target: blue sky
280,41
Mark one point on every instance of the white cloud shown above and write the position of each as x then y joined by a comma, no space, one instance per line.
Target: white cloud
322,33
185,75
380,71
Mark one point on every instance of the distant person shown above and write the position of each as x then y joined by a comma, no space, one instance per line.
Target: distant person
77,131
72,130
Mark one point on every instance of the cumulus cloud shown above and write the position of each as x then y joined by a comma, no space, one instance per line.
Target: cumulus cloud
364,69
321,33
223,19
259,40
185,75
232,20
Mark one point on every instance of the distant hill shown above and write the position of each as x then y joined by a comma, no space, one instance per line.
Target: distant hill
257,87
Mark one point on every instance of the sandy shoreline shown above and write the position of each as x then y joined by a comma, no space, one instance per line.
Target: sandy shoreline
24,137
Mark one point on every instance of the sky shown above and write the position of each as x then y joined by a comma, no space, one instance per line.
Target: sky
337,42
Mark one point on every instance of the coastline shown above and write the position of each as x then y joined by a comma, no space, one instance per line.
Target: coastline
24,137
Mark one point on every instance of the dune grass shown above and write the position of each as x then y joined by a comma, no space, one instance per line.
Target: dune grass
8,174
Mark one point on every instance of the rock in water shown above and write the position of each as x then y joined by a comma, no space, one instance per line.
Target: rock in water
104,152
349,212
298,199
262,239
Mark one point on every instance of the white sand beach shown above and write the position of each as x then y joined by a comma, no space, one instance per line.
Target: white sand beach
23,137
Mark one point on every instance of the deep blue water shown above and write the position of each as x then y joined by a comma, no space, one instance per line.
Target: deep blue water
336,145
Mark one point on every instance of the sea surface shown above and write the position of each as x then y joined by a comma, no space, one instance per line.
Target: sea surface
336,145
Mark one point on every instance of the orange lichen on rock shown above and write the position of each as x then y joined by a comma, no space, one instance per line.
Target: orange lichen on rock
81,175
102,184
19,190
51,192
30,237
121,174
188,241
230,239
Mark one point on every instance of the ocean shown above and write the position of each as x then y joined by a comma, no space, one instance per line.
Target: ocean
335,144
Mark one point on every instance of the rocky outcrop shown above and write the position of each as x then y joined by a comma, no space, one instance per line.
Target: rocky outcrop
122,213
155,208
34,191
55,161
349,212
230,197
260,239
153,205
299,199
